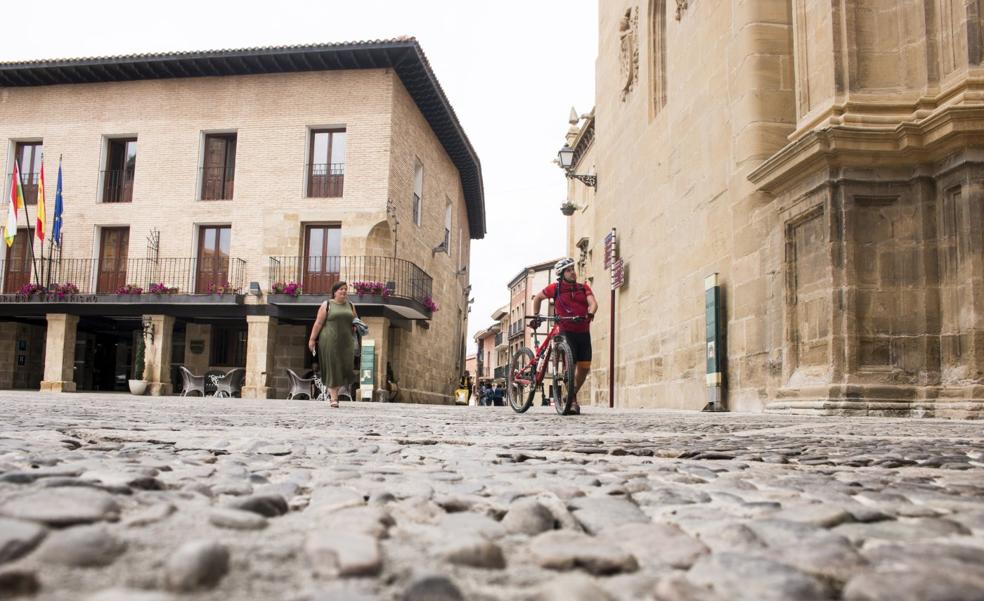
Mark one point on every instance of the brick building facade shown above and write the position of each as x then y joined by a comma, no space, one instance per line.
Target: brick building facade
247,167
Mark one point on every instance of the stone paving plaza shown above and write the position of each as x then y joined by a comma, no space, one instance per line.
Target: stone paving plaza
113,497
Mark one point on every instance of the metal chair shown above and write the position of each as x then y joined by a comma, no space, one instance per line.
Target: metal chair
299,386
231,384
190,382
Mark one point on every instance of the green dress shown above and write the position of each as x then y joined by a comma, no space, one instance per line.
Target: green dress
336,348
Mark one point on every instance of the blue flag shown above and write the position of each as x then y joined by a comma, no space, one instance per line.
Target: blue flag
57,221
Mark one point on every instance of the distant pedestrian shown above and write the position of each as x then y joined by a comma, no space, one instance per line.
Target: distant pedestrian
498,396
331,341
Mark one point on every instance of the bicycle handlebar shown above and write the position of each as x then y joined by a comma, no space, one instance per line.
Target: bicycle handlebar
546,318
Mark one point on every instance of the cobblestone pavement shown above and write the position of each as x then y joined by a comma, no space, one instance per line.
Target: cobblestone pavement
108,498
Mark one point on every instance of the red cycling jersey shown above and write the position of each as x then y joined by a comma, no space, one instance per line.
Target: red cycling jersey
571,300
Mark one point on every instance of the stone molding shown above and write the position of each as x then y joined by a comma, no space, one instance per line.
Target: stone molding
932,139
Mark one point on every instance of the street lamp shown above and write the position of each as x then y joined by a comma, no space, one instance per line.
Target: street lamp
565,157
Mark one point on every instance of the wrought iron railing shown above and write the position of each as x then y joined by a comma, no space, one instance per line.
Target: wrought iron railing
117,185
515,329
317,274
29,184
107,276
325,180
217,183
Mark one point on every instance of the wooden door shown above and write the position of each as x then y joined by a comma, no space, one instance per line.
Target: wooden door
213,257
17,268
322,247
113,247
218,177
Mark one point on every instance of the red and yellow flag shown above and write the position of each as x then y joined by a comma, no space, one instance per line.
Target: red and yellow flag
39,228
16,203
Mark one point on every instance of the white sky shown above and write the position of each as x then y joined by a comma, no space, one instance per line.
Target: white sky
511,68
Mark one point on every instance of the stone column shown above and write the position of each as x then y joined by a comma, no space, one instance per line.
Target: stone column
157,356
379,331
260,343
59,360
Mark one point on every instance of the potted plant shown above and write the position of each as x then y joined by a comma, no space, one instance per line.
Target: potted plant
288,288
139,385
568,208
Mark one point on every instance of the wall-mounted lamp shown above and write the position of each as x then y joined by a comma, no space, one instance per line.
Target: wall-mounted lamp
565,157
440,248
254,288
462,271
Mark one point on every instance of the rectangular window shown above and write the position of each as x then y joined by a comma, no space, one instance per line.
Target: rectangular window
322,260
418,192
121,163
228,346
326,171
214,242
28,156
219,166
114,246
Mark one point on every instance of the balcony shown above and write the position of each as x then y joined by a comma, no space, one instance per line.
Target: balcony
117,185
516,329
500,372
498,340
217,183
29,185
408,287
182,280
325,180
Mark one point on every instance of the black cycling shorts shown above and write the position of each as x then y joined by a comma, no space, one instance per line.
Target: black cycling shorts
580,343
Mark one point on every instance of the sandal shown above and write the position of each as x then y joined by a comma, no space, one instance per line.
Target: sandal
333,404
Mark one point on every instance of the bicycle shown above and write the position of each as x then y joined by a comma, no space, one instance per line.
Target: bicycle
556,354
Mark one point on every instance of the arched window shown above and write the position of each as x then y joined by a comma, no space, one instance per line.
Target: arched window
657,54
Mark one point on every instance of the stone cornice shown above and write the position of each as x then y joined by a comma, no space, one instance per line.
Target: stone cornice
931,139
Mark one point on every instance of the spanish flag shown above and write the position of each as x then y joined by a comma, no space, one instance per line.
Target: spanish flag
16,203
39,228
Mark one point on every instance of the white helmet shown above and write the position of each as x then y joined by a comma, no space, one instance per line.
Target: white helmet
562,265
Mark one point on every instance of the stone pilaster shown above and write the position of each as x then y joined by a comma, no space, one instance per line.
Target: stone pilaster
157,356
260,344
59,360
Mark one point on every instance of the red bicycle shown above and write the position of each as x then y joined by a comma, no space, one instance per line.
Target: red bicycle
554,361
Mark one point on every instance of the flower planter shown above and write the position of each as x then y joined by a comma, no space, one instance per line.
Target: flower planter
289,299
137,387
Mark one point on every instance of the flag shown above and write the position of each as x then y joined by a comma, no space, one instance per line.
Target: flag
39,228
56,222
16,203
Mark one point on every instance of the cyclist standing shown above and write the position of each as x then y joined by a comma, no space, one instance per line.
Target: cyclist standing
571,299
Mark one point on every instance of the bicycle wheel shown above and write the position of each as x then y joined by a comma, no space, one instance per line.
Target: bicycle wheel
516,392
562,376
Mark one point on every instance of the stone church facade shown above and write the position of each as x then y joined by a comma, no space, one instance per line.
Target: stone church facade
827,161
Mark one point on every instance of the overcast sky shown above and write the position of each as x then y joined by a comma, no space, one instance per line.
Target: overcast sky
511,68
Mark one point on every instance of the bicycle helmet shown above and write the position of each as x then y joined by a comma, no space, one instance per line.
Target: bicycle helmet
562,265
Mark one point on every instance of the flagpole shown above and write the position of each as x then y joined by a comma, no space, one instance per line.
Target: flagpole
30,244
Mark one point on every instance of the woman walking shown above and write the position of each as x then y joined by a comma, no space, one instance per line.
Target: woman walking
331,341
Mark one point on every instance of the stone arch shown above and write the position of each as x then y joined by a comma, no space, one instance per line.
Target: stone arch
379,242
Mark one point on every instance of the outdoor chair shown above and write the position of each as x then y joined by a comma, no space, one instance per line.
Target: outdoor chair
231,384
190,382
299,386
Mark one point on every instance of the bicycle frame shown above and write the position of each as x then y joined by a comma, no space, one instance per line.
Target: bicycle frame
542,352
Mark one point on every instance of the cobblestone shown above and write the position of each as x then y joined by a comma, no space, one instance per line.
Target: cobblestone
287,500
